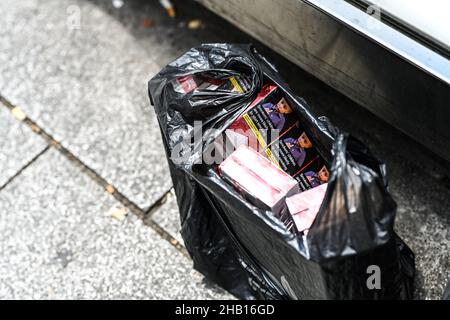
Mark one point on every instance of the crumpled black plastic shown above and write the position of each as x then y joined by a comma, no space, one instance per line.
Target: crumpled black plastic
247,250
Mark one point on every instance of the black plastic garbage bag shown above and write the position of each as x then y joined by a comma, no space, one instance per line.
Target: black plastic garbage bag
351,250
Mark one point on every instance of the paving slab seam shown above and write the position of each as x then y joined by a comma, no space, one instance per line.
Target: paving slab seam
159,203
141,214
24,167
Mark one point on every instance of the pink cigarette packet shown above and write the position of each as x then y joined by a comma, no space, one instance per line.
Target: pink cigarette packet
304,206
258,178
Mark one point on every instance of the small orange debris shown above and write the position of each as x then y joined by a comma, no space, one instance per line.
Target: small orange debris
35,128
110,189
195,24
171,12
148,23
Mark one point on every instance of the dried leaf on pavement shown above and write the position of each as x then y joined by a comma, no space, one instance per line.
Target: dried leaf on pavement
118,213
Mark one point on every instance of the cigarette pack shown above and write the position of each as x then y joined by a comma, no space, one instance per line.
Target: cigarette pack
272,127
189,83
303,207
258,179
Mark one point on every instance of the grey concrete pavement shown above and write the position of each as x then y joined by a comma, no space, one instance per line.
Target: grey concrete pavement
87,88
59,241
18,145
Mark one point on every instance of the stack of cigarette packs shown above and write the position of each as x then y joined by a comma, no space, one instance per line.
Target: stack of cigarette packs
275,164
271,126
